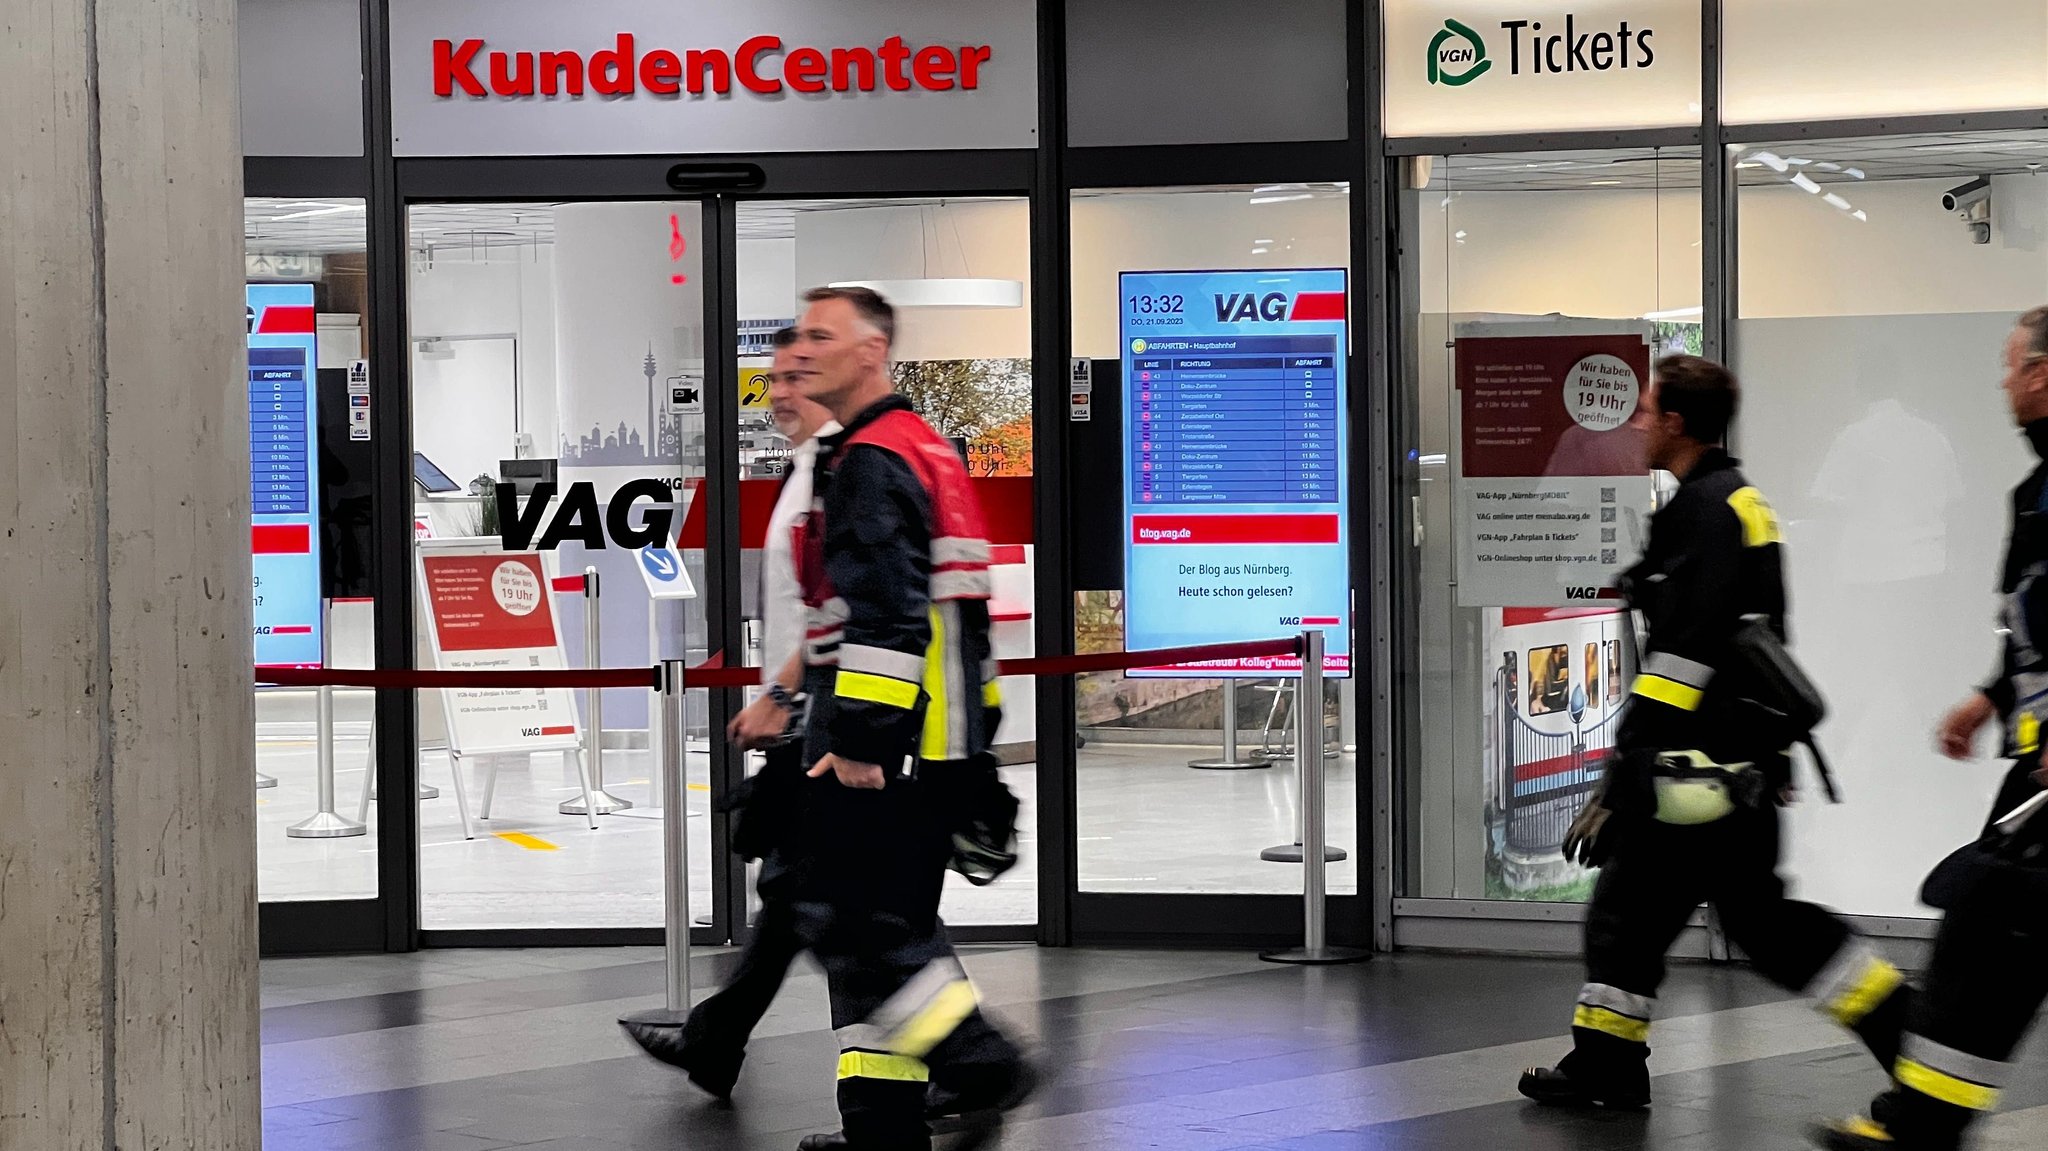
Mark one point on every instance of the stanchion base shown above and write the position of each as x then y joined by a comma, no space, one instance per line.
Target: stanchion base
1321,957
429,792
607,804
263,781
1292,853
326,825
655,1017
1222,764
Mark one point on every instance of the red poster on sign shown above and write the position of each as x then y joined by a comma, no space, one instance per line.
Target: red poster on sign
489,602
1552,405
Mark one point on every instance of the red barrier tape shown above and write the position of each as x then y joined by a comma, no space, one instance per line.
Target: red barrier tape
711,673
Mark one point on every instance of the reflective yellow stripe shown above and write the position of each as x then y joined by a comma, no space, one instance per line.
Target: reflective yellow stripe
1947,1088
1872,987
1612,1023
1865,1128
932,743
875,1065
1759,522
926,1029
2027,734
991,694
875,689
1684,697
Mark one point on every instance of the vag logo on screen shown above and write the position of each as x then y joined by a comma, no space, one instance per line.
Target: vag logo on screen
1457,55
1276,307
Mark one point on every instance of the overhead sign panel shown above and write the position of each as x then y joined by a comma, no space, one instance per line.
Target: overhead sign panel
1236,498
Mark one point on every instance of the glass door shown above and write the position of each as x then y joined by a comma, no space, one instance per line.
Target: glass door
560,348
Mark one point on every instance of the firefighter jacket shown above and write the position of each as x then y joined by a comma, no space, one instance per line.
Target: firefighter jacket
1713,558
2019,686
893,559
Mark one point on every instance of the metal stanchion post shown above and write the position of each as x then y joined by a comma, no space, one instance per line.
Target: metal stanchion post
656,1027
593,709
1231,760
1293,852
325,823
1308,732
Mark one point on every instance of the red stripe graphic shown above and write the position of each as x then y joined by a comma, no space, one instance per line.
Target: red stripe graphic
1234,529
1317,306
281,539
286,320
1320,621
294,629
563,730
567,583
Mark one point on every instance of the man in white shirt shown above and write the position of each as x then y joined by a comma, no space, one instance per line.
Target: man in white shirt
713,1042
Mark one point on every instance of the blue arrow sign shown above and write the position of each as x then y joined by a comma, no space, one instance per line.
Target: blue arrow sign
661,563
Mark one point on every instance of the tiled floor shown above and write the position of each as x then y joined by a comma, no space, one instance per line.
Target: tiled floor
1148,823
1194,1051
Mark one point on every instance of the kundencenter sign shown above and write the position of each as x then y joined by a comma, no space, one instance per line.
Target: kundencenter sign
1540,65
618,77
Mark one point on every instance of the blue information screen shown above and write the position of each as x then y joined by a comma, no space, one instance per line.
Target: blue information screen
284,474
1236,496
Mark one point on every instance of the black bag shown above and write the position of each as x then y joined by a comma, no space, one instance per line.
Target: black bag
981,812
1778,692
763,808
2009,864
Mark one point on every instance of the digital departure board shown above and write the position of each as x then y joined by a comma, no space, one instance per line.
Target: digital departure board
1235,488
284,475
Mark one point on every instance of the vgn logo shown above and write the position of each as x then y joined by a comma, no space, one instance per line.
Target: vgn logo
1462,62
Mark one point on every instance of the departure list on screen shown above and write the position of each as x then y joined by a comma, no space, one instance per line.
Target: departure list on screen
284,475
1235,493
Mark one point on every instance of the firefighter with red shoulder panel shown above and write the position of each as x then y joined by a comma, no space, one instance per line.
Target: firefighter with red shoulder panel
893,560
1687,808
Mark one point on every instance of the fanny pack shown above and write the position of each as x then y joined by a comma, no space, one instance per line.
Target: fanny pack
1691,789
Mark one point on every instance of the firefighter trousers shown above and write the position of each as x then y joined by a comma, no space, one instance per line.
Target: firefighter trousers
902,1006
1978,998
1643,899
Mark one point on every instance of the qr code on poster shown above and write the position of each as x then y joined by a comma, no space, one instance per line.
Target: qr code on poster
1607,556
1606,495
1606,535
1606,515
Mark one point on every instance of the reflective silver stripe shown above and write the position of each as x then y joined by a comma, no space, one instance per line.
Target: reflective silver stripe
1691,673
960,585
959,550
953,668
832,611
1842,971
881,661
862,1037
1960,1064
911,998
990,672
1618,1001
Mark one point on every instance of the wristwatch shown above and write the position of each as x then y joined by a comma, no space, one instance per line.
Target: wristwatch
782,697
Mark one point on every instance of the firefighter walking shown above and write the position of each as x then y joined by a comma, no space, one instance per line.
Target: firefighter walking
1989,973
893,560
1687,809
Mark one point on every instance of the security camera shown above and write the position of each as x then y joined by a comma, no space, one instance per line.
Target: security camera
1963,197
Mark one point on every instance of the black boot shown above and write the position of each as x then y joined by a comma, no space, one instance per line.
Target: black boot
713,1068
1573,1084
828,1141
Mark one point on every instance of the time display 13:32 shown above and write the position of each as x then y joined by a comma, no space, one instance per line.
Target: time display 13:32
1162,305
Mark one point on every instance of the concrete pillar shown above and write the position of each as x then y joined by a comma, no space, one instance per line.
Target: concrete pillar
127,851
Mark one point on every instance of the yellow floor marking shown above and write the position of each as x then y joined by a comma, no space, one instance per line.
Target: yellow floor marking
529,842
644,782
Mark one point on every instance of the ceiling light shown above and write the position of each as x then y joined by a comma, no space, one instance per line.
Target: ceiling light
1260,251
1856,173
1460,234
1837,201
1746,164
1770,160
1602,183
945,292
1860,214
1282,199
1802,180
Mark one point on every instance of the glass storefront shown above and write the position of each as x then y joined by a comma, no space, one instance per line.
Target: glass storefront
1523,242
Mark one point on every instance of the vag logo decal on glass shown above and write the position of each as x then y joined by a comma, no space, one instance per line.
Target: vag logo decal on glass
1457,55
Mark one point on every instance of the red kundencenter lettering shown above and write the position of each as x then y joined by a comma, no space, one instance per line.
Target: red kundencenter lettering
763,65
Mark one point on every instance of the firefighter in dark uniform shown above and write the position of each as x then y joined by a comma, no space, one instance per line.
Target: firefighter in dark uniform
904,701
1989,973
1687,809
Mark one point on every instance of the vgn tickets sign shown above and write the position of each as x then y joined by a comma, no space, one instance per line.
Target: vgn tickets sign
1236,497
